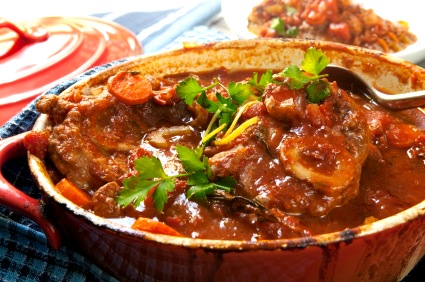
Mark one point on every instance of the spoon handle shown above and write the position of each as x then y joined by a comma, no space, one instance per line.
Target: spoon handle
401,101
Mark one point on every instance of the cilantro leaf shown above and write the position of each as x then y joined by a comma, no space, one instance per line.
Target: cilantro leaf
298,78
317,91
253,81
200,192
225,118
190,159
135,190
188,89
226,109
278,25
223,108
314,61
313,64
151,176
265,79
239,92
226,183
210,106
198,178
225,105
160,196
150,167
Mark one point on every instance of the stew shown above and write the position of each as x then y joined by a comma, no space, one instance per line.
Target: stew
236,155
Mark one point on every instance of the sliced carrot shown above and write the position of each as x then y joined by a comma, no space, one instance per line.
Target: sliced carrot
150,225
70,191
130,88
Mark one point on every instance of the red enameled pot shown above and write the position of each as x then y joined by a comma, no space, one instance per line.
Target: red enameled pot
36,55
385,250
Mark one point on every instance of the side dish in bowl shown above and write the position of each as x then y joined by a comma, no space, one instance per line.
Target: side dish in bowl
341,21
237,160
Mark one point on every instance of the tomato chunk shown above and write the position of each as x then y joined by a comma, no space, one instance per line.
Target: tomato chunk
37,143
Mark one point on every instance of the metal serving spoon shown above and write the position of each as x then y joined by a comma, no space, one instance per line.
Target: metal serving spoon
349,80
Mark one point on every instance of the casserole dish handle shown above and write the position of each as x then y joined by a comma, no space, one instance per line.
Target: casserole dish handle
25,36
16,200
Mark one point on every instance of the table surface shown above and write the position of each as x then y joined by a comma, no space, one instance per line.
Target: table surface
23,247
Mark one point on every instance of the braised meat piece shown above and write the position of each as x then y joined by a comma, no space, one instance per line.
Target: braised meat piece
103,201
301,157
91,144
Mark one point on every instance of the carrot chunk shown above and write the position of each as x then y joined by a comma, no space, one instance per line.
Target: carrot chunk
130,88
70,191
150,225
402,135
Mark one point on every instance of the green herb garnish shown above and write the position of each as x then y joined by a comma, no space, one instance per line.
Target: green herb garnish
152,176
261,84
189,88
313,64
291,10
223,107
278,25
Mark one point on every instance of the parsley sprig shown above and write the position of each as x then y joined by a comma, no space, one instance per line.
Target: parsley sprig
151,176
313,64
223,107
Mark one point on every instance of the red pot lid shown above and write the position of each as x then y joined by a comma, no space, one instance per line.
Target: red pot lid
37,55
